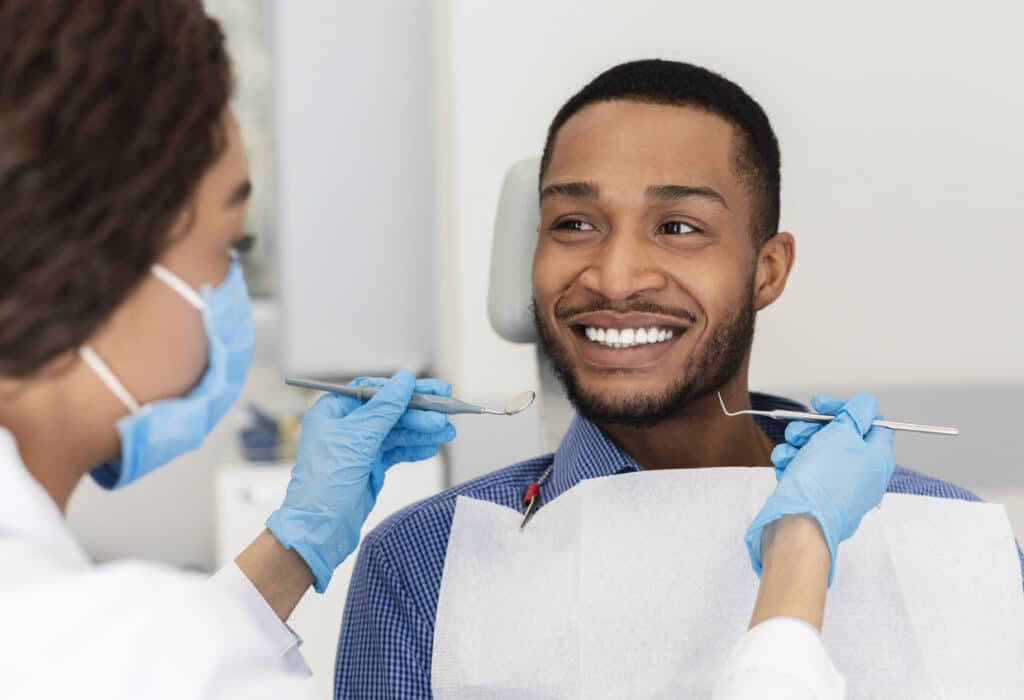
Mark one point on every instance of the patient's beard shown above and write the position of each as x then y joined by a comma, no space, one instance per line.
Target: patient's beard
706,370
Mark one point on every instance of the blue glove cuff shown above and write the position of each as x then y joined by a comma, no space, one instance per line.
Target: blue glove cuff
322,571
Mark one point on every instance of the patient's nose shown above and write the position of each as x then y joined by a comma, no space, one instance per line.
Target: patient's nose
623,266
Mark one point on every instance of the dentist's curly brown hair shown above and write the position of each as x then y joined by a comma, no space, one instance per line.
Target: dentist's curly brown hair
110,113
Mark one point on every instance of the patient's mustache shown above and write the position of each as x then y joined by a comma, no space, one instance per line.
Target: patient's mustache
640,307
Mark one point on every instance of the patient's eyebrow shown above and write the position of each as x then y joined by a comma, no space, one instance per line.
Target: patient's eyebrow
667,192
577,190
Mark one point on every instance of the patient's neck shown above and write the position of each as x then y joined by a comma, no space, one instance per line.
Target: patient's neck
700,435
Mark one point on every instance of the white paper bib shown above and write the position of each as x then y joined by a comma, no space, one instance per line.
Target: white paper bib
639,585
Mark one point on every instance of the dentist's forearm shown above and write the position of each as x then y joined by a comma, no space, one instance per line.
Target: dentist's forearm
794,580
280,575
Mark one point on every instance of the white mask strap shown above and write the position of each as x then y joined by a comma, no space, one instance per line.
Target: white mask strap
107,377
179,285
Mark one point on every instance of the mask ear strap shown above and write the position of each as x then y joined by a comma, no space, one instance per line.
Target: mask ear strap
179,285
107,377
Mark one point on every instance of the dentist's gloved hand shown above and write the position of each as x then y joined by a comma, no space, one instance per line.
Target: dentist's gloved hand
345,449
834,471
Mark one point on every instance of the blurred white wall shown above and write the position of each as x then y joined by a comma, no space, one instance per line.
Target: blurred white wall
900,132
355,198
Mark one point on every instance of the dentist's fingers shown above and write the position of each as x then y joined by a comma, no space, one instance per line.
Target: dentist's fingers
860,412
411,438
423,421
782,455
437,387
826,403
799,432
408,454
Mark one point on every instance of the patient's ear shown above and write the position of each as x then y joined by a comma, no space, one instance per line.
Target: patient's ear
774,261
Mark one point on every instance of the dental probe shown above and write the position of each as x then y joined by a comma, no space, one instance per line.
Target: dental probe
423,402
780,414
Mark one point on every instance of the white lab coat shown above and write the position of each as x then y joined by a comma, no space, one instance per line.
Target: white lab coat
129,629
780,659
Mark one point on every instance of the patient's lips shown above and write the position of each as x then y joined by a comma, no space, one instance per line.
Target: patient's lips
609,339
635,320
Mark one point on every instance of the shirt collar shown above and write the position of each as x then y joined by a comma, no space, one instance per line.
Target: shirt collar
587,453
27,511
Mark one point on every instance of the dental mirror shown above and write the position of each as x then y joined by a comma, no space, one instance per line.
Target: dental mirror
517,404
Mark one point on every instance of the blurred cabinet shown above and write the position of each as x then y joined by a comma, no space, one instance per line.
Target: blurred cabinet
245,494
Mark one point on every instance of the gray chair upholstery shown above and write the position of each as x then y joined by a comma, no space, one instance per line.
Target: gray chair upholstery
511,290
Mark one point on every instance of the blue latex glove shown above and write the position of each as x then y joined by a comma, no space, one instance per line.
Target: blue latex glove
834,471
345,449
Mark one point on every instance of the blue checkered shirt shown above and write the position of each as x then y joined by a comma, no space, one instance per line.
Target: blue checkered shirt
387,631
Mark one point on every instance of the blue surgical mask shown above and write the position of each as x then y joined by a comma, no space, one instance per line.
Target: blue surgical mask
156,433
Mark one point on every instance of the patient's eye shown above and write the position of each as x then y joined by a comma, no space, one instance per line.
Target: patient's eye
573,225
676,228
573,230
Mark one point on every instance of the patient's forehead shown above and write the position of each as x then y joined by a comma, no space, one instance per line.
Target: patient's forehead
627,146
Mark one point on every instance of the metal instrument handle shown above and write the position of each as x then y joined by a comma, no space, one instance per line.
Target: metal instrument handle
422,402
894,425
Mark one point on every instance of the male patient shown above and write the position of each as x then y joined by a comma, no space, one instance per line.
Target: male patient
657,246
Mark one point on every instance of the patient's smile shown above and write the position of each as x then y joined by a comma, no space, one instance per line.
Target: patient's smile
631,340
627,337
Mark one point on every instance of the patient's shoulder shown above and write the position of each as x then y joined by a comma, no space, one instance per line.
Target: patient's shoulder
915,483
430,519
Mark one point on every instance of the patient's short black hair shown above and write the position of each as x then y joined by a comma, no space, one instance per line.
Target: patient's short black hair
655,81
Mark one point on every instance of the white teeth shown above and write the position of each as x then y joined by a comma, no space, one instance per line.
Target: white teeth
627,337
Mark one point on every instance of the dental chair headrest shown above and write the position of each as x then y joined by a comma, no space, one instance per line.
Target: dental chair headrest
511,292
515,237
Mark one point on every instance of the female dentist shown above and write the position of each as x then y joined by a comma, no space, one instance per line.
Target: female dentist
125,335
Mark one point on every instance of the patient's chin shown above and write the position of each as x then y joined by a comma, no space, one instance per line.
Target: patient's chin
632,386
636,408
